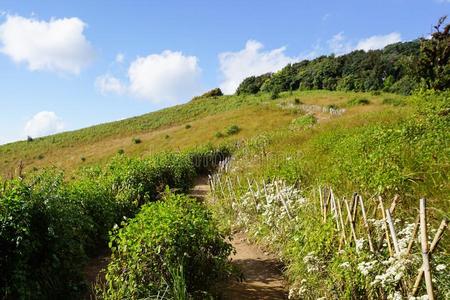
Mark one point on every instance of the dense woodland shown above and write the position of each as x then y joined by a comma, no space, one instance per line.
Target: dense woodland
398,68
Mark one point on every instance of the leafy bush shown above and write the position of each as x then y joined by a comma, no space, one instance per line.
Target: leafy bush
219,134
217,92
49,227
176,234
188,126
136,140
120,151
304,121
358,101
233,129
394,101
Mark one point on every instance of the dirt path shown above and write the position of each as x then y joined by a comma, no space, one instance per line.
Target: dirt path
261,272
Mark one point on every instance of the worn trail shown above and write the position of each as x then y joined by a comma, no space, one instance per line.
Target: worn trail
261,276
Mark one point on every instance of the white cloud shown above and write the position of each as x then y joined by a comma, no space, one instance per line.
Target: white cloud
43,123
326,17
339,45
57,45
120,57
378,41
109,84
167,77
236,66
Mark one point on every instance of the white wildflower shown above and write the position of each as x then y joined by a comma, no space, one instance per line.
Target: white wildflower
440,267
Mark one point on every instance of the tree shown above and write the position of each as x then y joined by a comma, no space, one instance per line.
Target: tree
433,63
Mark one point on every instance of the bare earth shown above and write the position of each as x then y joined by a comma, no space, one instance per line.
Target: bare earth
261,272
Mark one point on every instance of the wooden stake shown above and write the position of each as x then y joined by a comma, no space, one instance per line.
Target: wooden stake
343,237
424,243
366,225
334,209
413,236
392,230
349,218
436,239
383,213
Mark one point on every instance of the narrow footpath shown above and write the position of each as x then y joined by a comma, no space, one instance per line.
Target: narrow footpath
261,276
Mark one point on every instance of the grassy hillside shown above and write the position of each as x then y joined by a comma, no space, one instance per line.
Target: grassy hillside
167,129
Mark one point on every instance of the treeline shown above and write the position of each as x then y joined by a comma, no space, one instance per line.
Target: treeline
398,68
49,227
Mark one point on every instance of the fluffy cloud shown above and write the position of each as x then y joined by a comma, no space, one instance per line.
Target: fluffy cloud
168,77
236,66
339,44
43,123
57,45
109,84
378,41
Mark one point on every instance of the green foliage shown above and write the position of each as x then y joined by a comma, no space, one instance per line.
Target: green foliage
233,129
434,59
214,93
304,121
394,101
136,140
120,151
253,84
358,101
188,126
219,135
176,236
49,227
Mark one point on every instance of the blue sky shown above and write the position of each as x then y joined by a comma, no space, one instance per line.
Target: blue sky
66,65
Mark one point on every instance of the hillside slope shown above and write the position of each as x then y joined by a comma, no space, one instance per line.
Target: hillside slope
175,128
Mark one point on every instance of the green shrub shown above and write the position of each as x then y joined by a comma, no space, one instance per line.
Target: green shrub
136,140
176,236
49,226
217,92
121,151
233,129
394,101
358,101
219,135
188,126
304,121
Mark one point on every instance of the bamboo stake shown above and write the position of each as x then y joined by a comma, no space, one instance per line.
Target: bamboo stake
413,236
425,254
343,236
334,209
385,228
282,201
320,199
393,233
366,225
349,218
325,208
436,239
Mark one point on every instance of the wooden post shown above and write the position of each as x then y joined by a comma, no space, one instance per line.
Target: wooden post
413,236
366,225
392,230
286,208
334,209
424,243
343,237
383,213
320,199
436,239
349,218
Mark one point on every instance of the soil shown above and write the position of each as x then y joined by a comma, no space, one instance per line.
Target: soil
261,273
